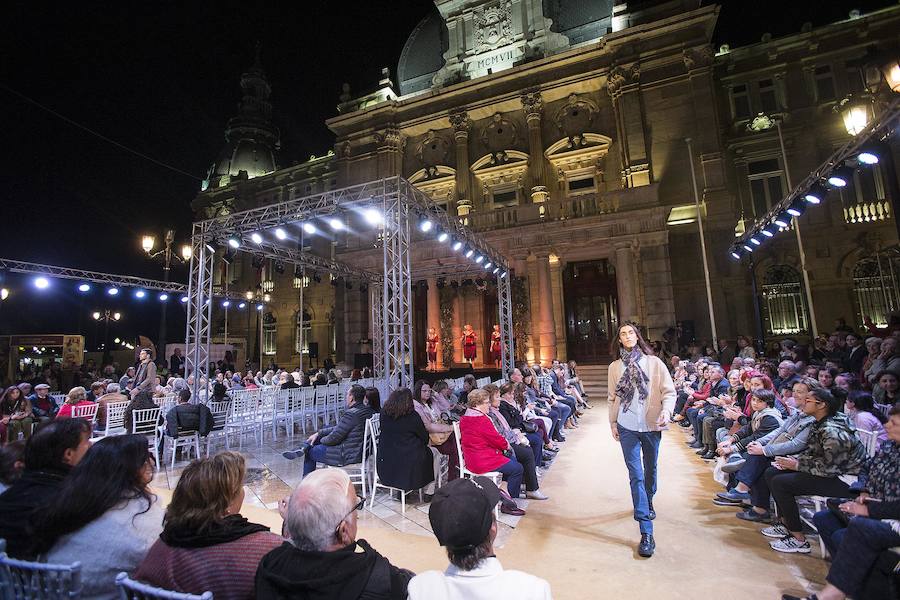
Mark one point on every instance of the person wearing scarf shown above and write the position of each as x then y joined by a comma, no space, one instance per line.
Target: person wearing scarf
206,545
641,400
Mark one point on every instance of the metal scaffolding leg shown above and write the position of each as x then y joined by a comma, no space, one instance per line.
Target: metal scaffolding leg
396,316
375,305
507,344
199,309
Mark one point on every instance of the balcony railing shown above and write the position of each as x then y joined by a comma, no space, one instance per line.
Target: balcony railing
867,212
583,205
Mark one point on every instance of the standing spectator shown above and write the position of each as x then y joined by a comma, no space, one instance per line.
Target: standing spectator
49,456
15,415
140,401
873,349
176,362
206,545
745,347
856,353
726,354
404,459
462,518
145,379
107,492
43,407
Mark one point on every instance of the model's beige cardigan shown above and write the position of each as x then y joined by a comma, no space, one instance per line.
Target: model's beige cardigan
662,390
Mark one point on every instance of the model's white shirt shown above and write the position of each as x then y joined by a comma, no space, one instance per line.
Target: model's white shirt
486,582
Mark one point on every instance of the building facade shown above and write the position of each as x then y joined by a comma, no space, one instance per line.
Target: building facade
566,137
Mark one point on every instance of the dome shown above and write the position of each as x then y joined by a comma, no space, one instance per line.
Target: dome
254,157
423,54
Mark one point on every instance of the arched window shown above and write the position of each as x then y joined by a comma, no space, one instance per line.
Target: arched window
875,289
302,332
782,295
269,334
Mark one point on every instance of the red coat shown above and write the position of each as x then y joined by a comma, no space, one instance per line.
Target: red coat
482,446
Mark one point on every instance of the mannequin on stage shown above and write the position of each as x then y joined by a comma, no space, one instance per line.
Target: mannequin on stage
469,341
495,346
431,342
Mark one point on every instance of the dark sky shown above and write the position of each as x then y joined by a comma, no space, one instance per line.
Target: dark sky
162,78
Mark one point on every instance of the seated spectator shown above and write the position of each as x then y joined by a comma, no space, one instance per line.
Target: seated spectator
873,350
340,444
287,381
142,400
546,406
98,388
440,431
15,415
862,529
886,386
185,416
827,376
112,395
442,398
104,514
49,456
462,518
11,463
485,450
43,407
716,387
849,382
887,360
373,399
832,450
355,375
469,384
513,404
324,559
860,407
206,545
765,419
787,374
714,414
404,459
77,396
248,382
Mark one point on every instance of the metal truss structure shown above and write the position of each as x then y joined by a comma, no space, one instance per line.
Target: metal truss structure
390,290
30,268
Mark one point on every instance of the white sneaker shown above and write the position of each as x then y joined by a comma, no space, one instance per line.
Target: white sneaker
790,544
536,495
778,531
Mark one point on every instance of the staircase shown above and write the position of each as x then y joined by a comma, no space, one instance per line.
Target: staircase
594,380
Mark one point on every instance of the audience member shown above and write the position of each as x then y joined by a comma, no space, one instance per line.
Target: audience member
440,432
188,417
139,401
16,417
860,407
405,461
11,463
43,407
373,399
112,395
77,396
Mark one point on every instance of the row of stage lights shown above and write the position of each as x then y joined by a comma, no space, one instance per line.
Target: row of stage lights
374,218
839,177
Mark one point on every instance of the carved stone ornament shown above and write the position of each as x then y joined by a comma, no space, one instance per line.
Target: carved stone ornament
493,26
499,133
532,104
620,76
390,138
432,149
345,150
695,58
460,122
576,115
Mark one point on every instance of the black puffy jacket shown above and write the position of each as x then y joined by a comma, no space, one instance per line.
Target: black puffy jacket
345,440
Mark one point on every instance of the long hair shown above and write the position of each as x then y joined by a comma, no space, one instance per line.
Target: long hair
398,404
863,402
373,399
615,344
518,394
417,392
204,491
7,404
111,472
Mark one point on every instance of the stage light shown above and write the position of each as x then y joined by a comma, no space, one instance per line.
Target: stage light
163,297
841,176
84,287
41,283
816,194
116,316
309,228
335,223
113,291
186,252
140,293
867,157
469,253
226,303
747,247
257,239
4,293
425,225
267,298
782,220
502,274
495,270
280,233
184,299
755,241
796,208
259,307
96,315
211,246
479,259
767,231
457,245
279,267
735,253
242,305
443,237
487,265
373,216
234,242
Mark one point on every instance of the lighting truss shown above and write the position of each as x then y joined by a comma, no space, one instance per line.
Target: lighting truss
30,268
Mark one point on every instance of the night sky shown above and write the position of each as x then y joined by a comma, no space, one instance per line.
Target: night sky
162,78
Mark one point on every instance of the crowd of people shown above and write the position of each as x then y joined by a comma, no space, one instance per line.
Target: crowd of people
797,422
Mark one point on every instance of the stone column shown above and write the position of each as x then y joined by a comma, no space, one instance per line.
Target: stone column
533,106
456,329
461,123
627,306
546,326
391,144
623,86
434,314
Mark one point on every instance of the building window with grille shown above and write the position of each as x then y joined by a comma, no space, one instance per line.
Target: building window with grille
302,332
823,80
768,100
766,185
875,290
740,99
268,334
782,295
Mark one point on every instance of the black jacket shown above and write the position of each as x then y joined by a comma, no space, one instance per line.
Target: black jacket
404,460
189,417
21,504
512,415
345,440
289,573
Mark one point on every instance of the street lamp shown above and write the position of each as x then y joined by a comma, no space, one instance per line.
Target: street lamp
854,113
106,316
148,242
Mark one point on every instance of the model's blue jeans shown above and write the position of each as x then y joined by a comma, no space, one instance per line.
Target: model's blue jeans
313,455
512,472
641,450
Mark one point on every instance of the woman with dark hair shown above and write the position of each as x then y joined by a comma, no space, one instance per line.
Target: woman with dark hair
104,515
440,433
373,399
404,458
15,415
827,376
886,388
11,463
515,397
860,406
206,545
641,401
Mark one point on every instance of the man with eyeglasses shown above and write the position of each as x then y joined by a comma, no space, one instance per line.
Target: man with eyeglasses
323,558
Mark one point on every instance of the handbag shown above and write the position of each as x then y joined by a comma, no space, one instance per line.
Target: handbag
436,439
529,427
834,507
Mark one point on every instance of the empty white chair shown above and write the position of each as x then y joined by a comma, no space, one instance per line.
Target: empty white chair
242,418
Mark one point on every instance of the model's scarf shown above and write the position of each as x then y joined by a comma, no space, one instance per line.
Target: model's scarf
633,377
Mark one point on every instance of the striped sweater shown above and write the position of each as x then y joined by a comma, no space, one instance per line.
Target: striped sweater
227,570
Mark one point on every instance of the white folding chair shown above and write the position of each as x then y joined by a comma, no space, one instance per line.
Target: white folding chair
321,405
359,472
869,439
464,472
85,411
373,432
186,439
219,412
242,418
131,589
25,579
115,419
145,422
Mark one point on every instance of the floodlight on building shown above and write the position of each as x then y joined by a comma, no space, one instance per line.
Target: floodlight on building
867,156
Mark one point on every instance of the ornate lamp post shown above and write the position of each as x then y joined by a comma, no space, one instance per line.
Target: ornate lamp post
105,316
166,255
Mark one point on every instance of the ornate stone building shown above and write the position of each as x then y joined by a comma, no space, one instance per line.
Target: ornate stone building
560,134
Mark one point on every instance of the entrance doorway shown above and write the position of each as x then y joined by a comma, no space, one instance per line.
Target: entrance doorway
589,289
